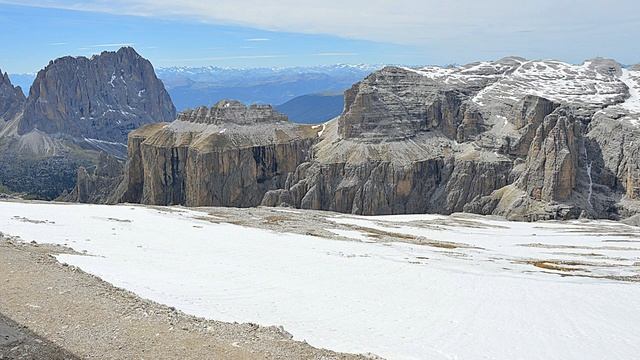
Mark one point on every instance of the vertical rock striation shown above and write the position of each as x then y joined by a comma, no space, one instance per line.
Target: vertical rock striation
102,98
77,109
552,161
11,99
228,155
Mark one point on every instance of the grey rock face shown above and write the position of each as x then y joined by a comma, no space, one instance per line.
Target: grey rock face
524,139
96,185
395,103
368,188
428,186
229,155
102,98
528,115
11,99
552,162
77,108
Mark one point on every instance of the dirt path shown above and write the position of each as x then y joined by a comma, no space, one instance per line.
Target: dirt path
56,310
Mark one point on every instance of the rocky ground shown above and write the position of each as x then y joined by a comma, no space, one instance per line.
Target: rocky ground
52,311
436,281
18,342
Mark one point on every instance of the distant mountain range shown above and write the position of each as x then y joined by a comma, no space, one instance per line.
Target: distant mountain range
313,108
193,87
306,94
23,80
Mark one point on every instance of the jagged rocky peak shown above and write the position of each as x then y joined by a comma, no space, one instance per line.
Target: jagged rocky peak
233,112
553,158
398,103
390,105
102,97
11,98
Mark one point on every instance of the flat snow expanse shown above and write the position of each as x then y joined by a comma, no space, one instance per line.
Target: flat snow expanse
397,300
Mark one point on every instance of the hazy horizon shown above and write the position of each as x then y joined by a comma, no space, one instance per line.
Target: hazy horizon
249,34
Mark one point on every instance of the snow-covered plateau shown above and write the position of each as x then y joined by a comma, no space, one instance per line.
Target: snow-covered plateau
447,287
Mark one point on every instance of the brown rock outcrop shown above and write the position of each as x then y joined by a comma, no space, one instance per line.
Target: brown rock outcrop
215,156
633,182
528,115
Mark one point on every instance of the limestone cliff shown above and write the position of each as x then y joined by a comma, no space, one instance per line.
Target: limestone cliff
229,155
422,174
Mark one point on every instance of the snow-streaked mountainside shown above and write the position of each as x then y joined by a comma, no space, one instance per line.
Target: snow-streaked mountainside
456,287
632,104
205,86
216,73
594,84
191,87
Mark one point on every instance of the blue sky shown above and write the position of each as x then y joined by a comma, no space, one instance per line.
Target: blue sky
254,33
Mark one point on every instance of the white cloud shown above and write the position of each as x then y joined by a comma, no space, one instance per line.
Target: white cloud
116,45
257,39
335,54
418,22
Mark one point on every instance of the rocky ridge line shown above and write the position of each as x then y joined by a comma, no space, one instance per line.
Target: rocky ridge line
12,99
524,139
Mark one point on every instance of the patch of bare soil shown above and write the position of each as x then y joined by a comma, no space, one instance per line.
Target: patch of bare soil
548,246
555,265
579,269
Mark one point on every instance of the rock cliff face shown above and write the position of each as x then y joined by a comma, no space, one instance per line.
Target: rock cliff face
77,109
228,155
101,98
11,99
523,139
552,161
95,185
409,176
